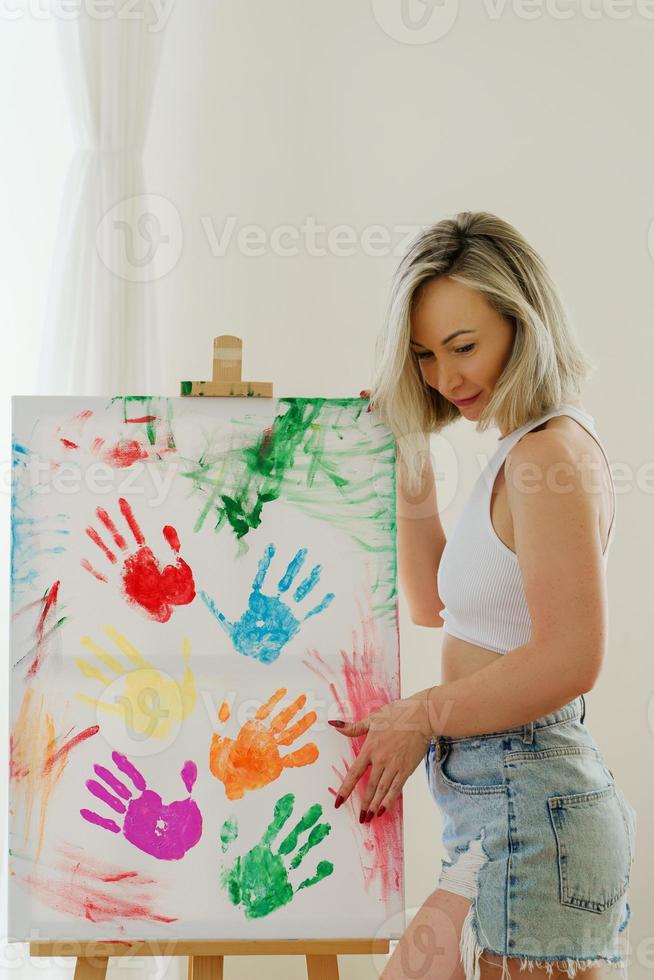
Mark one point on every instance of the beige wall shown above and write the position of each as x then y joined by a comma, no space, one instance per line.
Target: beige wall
289,115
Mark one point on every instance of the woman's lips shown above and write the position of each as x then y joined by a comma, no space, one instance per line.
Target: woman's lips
467,401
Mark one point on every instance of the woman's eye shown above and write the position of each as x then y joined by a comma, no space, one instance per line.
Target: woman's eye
420,355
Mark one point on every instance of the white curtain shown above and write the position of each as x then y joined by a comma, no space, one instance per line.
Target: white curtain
100,335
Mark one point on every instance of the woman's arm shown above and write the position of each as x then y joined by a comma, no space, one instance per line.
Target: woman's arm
510,691
420,543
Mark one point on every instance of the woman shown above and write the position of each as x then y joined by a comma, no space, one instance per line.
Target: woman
540,839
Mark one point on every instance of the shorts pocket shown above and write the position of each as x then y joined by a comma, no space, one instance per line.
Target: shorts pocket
593,846
470,767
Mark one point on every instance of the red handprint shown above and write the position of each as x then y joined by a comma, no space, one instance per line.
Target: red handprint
156,590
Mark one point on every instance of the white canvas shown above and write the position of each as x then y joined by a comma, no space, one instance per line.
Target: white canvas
178,563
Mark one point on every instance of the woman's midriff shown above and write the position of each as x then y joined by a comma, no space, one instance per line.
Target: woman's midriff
460,658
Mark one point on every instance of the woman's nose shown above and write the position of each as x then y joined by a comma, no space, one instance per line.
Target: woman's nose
448,382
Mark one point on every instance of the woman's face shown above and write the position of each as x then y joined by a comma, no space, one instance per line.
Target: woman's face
470,363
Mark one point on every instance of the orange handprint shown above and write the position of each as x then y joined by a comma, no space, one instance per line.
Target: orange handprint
252,760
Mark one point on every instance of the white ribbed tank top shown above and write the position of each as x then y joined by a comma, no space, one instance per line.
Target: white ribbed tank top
479,578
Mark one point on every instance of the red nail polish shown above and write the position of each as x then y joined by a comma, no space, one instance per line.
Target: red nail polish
338,801
337,723
381,810
362,816
369,816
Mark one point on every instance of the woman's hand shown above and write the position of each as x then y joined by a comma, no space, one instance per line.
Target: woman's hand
398,735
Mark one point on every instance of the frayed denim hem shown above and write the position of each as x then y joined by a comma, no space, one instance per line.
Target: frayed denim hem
471,951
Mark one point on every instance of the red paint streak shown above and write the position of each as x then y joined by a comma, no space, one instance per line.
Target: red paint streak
89,567
144,418
68,444
87,888
50,600
94,536
48,603
66,748
109,524
125,452
128,514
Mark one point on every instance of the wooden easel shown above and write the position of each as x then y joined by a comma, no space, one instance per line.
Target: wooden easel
206,956
226,375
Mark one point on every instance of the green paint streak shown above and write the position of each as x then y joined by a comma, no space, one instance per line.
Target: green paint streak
149,405
186,387
327,457
228,833
169,420
258,880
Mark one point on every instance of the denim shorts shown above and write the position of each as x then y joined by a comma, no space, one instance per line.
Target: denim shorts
541,838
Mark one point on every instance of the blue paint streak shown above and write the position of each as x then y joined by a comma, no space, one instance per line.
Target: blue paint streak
27,533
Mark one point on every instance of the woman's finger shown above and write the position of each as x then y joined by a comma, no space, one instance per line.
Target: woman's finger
351,728
366,394
376,792
354,774
394,791
375,775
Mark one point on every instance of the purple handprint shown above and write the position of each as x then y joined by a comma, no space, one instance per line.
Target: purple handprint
165,831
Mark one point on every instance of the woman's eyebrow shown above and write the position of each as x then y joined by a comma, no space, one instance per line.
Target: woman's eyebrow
414,343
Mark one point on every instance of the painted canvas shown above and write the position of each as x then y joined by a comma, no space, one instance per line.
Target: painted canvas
198,584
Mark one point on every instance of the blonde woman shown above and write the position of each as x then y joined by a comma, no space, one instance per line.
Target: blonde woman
540,840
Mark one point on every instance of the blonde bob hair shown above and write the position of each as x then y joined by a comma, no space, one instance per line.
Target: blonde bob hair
546,365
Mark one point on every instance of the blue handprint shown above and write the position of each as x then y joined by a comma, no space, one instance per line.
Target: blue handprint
268,623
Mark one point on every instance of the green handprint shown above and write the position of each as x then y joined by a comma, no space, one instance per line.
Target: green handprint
259,879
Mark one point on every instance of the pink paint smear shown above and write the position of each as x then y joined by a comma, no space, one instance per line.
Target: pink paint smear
362,687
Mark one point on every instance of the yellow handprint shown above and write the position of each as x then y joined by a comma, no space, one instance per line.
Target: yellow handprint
151,702
253,760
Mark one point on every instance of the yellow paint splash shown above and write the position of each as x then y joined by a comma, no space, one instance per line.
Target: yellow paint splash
150,702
